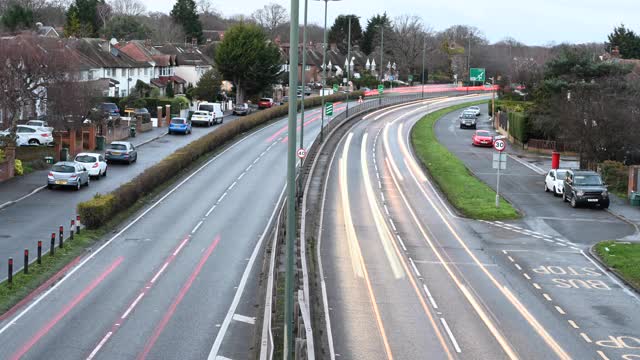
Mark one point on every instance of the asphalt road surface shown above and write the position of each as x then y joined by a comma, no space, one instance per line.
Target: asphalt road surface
406,278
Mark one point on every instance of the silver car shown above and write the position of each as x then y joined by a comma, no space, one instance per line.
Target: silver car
67,173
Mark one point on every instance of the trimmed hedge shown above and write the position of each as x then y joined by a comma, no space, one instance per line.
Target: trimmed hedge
518,126
616,175
97,211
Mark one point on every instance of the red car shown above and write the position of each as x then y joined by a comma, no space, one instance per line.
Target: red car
265,103
482,138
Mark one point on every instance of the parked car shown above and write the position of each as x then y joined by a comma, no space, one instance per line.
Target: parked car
121,151
265,103
214,109
242,109
202,117
67,173
95,164
584,187
474,109
112,110
307,90
180,125
554,181
40,123
31,135
468,120
482,138
142,113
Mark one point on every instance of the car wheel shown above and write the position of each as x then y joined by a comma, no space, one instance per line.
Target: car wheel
49,186
546,188
555,192
88,181
34,142
573,202
105,173
460,126
604,206
475,127
78,186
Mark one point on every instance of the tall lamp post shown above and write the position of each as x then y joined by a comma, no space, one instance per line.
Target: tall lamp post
424,48
304,72
291,188
324,66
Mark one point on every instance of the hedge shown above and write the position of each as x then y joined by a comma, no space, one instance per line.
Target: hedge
616,175
97,211
518,126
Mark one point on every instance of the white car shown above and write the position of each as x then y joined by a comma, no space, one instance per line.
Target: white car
554,181
31,135
40,123
94,163
474,109
202,117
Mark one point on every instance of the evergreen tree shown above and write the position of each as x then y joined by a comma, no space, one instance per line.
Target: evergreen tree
371,35
83,19
17,17
184,13
627,42
339,32
208,86
169,90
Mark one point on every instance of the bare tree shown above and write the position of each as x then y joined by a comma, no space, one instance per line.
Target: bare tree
163,28
127,7
270,17
408,40
104,12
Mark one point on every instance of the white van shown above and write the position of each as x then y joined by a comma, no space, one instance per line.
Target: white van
214,109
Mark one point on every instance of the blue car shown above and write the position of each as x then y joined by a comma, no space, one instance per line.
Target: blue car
180,125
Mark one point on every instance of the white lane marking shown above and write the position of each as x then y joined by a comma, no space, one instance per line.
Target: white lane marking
2,206
261,155
244,319
220,357
431,299
504,252
393,225
401,242
157,275
210,210
133,222
248,168
451,337
526,276
222,197
382,196
625,289
182,244
243,282
256,160
518,267
575,248
379,184
535,285
415,269
133,305
561,244
546,296
573,324
602,355
529,165
510,258
560,310
537,236
100,345
585,337
232,185
548,240
241,175
196,228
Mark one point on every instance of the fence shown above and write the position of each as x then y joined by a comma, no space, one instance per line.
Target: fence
549,145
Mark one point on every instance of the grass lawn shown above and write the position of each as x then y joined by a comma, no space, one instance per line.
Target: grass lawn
472,197
623,257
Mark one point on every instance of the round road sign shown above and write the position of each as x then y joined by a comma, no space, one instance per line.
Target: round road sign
499,145
302,153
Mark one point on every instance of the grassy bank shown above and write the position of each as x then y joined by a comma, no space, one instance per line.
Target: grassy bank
469,195
622,257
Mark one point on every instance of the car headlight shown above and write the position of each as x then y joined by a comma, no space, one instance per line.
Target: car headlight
605,193
580,193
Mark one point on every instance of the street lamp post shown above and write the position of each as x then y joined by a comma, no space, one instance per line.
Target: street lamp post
381,63
424,47
348,62
324,67
304,72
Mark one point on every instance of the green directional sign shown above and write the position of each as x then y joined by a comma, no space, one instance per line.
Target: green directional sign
477,74
410,78
335,87
328,110
380,89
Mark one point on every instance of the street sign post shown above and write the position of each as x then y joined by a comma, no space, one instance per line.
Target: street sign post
499,145
302,152
380,89
410,78
499,163
328,111
477,74
335,88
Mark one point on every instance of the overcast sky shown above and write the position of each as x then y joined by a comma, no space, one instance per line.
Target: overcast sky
537,22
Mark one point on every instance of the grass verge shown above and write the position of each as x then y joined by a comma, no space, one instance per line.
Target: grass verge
470,196
624,258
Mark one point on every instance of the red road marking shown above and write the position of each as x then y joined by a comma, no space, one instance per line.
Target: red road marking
316,118
45,329
185,288
146,288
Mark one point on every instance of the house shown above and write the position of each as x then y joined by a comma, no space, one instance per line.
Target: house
334,59
46,31
190,62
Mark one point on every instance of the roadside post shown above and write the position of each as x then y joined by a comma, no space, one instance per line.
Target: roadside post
39,251
10,278
61,238
71,229
380,91
52,248
499,163
78,224
25,266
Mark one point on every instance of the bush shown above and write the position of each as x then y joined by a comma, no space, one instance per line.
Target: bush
518,126
97,211
513,106
616,176
1,155
18,167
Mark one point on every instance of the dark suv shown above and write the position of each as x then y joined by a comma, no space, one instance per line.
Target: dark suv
584,187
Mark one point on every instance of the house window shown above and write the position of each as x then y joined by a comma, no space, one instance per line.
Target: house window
307,68
90,74
145,71
123,72
123,92
166,71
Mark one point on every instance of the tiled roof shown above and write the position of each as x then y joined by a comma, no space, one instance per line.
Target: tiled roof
185,55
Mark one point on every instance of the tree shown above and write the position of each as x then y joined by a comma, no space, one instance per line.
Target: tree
626,41
407,42
248,60
370,37
184,13
127,7
208,86
339,32
270,17
84,19
126,28
163,28
168,91
17,17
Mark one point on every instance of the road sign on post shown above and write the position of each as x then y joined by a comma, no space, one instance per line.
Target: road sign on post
380,89
328,111
335,88
499,163
302,153
499,145
477,74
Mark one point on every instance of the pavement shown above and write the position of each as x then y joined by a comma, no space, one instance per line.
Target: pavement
406,276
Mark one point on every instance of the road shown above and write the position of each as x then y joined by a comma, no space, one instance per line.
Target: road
405,276
177,282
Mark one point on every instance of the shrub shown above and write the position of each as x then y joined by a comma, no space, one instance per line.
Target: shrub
1,155
518,126
97,211
616,176
18,167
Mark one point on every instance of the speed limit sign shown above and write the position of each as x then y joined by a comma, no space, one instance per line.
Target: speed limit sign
302,153
499,145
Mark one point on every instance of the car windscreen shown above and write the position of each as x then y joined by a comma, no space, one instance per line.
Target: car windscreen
560,175
177,121
86,159
483,133
63,169
208,108
265,99
588,180
118,147
468,116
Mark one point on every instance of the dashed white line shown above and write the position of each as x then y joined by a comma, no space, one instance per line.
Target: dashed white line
382,196
431,300
100,345
133,305
559,309
586,337
393,225
256,161
261,155
248,167
401,242
503,251
546,296
453,339
182,244
222,197
548,240
415,269
518,267
561,244
573,324
511,259
535,285
526,276
195,228
210,211
537,236
602,355
241,175
232,185
379,184
159,272
386,209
